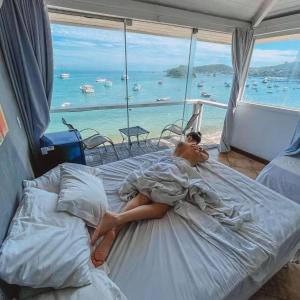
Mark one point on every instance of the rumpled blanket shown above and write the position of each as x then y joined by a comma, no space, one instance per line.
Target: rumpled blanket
173,181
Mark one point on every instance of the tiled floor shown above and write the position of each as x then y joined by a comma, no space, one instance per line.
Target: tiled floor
285,285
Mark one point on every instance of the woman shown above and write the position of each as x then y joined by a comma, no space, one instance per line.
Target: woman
139,208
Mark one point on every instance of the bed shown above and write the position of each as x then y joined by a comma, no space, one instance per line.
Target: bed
169,259
283,176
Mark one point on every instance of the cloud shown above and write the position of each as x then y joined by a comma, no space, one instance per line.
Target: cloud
272,56
89,48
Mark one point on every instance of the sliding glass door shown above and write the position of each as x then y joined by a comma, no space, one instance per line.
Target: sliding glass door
158,58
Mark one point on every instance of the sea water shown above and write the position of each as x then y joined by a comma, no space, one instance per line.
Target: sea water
67,93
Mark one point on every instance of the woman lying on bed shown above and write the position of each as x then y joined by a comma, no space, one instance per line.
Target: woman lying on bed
139,208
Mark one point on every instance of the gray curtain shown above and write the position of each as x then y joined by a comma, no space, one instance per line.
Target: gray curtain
294,147
25,40
242,47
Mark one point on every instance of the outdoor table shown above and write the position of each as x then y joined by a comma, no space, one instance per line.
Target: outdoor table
134,131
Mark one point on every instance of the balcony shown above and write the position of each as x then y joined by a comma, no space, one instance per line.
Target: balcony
103,155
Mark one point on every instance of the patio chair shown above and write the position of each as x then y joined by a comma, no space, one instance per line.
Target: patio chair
94,140
176,129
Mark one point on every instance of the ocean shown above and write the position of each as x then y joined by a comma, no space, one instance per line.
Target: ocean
67,92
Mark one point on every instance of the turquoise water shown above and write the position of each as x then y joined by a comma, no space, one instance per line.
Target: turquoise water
155,118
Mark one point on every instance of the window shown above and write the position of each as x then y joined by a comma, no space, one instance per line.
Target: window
89,65
154,51
90,74
274,73
212,79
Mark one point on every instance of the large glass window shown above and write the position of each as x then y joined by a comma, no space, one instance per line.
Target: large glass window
154,50
166,66
212,79
89,65
274,73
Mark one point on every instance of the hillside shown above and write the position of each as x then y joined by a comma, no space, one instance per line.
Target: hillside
178,72
216,68
282,70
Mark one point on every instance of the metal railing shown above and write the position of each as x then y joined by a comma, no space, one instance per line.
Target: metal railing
198,105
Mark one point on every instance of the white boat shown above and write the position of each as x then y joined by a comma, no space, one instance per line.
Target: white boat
265,80
163,99
160,82
124,76
64,75
200,84
108,83
205,95
66,104
100,80
137,87
87,89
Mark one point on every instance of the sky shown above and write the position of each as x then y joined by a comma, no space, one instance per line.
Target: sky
83,48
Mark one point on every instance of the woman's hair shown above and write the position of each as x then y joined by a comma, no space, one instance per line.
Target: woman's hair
195,136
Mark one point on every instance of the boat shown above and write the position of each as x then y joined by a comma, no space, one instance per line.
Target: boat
205,95
137,87
214,75
108,83
200,84
276,85
124,76
100,80
226,84
254,84
247,85
163,99
87,89
160,82
64,75
66,104
269,86
265,80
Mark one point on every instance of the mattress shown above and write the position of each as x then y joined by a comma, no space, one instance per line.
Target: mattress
283,176
168,259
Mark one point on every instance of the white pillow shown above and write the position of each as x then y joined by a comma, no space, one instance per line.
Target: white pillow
102,288
50,181
82,195
45,248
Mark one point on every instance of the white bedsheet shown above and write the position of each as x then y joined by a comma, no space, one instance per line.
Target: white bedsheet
167,259
283,176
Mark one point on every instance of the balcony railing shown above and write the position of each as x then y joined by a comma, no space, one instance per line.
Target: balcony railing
198,105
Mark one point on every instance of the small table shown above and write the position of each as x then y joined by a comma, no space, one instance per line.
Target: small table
133,131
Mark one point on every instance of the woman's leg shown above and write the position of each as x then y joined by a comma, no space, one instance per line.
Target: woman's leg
145,211
139,200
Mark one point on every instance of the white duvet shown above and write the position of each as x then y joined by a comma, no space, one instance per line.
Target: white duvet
170,258
172,180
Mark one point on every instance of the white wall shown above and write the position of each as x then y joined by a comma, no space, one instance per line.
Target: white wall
263,131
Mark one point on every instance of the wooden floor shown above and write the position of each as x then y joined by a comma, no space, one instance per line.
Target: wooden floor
285,285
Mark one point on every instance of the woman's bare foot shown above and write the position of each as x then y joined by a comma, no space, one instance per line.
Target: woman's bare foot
108,222
102,250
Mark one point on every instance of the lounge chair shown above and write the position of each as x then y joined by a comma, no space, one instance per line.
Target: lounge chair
176,129
94,140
